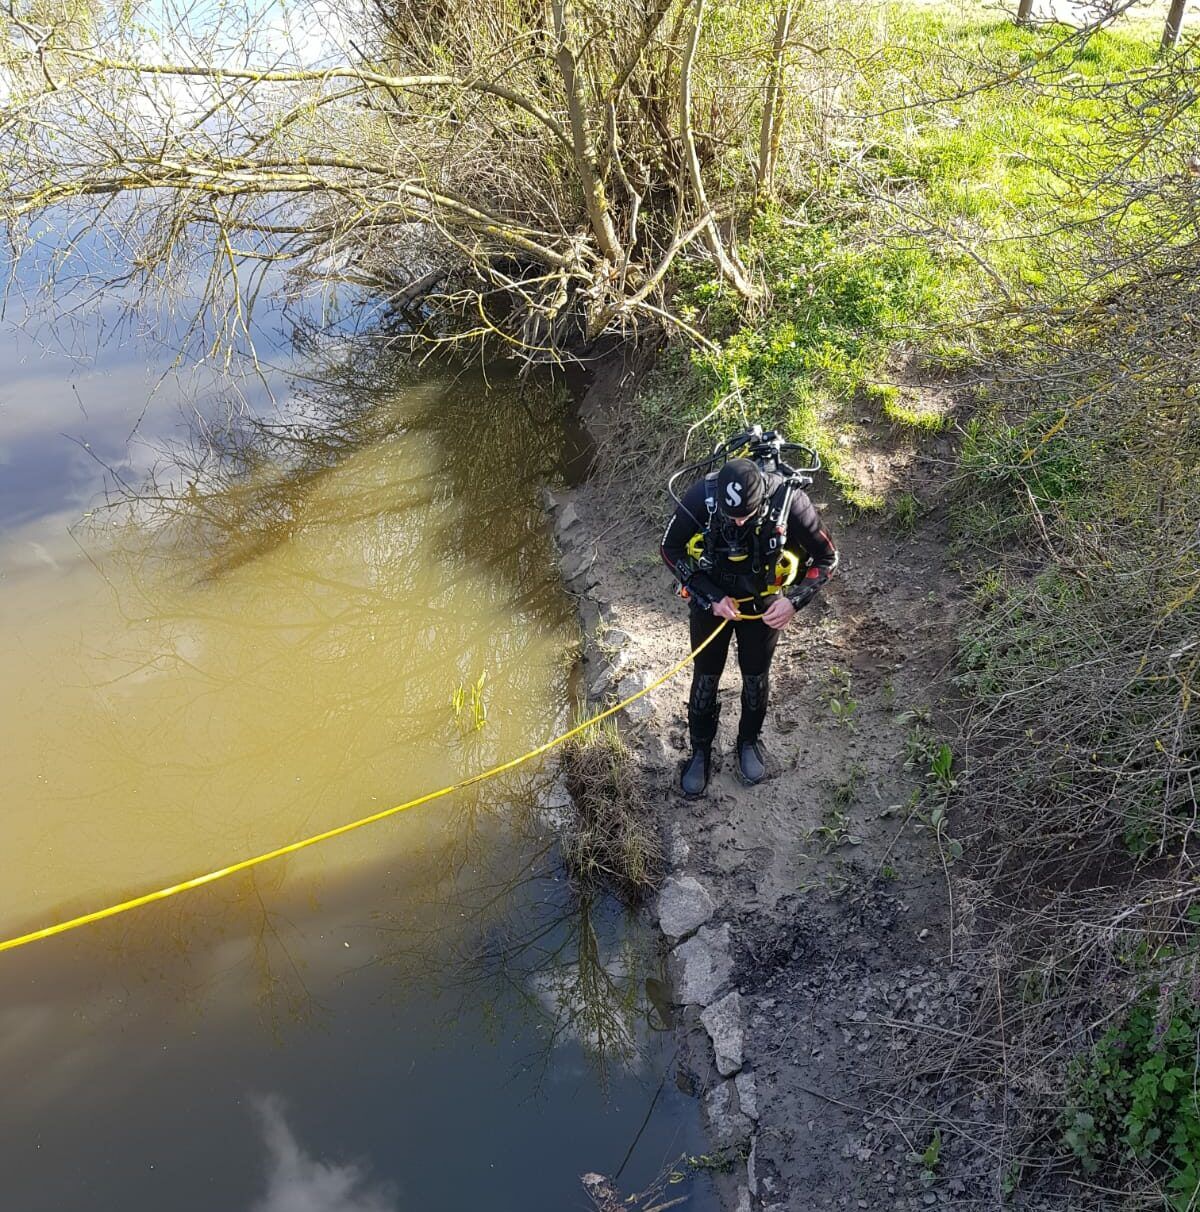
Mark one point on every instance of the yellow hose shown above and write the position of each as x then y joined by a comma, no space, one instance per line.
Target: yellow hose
209,877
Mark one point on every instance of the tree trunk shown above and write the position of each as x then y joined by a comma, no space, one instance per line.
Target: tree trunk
595,197
769,135
1024,9
1174,26
730,269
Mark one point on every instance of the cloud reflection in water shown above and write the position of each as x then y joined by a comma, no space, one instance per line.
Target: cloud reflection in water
299,1183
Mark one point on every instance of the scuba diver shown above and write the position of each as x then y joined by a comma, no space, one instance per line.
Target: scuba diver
745,545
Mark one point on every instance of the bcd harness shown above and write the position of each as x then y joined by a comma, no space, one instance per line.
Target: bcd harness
721,547
763,546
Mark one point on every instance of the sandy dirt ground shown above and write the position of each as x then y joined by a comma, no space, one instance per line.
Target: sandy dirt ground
824,905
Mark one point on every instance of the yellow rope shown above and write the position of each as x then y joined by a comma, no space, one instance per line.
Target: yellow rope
209,877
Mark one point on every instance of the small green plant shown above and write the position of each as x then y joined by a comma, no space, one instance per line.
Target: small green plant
919,744
941,769
834,830
468,706
906,508
843,792
951,847
1012,1178
928,1160
841,704
720,1161
1133,1100
923,749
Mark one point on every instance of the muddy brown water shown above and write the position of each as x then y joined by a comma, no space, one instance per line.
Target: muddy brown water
294,629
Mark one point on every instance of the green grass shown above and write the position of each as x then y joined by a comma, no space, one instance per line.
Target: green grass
846,286
834,309
905,512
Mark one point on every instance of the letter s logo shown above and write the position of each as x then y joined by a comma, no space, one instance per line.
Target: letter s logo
733,494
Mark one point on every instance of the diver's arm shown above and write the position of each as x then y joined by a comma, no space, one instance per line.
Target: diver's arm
808,539
686,523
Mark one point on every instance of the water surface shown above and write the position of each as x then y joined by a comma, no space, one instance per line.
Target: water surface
267,643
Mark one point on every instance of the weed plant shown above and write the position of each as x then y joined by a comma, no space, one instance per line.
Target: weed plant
1133,1099
613,841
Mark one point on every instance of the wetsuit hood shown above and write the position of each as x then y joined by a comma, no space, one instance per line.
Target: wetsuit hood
741,488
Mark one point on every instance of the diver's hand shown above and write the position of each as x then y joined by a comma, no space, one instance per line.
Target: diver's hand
779,614
726,608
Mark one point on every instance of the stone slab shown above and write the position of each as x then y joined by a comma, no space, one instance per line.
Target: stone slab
701,966
723,1022
747,1089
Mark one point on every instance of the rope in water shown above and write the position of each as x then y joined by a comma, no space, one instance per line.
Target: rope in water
161,894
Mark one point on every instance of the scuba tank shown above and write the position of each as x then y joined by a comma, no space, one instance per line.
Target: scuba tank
758,547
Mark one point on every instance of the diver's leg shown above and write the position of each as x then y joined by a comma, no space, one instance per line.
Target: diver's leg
703,708
756,648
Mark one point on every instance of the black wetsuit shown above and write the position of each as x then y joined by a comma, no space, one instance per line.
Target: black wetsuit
806,538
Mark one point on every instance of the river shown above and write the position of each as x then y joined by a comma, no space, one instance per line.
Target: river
219,637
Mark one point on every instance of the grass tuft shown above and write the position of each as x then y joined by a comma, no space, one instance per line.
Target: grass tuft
613,841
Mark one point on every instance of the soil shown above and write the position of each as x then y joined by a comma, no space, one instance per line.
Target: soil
835,890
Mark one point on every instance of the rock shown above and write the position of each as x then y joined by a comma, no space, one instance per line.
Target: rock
751,1159
747,1089
590,615
614,637
723,1022
578,569
701,967
568,518
743,1200
684,904
629,685
679,849
654,753
621,662
550,501
727,1126
599,688
605,682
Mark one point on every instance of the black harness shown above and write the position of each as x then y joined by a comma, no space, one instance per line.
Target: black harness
730,545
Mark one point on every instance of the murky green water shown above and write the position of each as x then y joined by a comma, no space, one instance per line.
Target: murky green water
417,1014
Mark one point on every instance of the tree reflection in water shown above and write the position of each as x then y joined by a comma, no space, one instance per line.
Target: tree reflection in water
526,942
485,917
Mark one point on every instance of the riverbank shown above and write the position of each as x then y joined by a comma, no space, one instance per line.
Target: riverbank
807,914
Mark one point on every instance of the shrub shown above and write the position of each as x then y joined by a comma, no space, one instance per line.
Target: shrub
1134,1100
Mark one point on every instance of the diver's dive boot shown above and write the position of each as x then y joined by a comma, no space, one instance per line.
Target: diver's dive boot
751,761
694,779
704,712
